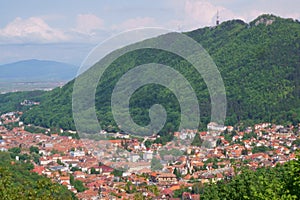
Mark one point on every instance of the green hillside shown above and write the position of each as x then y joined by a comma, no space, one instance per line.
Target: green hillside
12,101
259,63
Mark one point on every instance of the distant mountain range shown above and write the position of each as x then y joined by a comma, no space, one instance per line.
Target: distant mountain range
37,71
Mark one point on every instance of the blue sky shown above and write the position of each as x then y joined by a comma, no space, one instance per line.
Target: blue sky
66,30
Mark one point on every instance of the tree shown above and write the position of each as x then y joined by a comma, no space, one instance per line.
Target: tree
34,149
296,142
73,169
78,185
117,173
93,171
197,188
72,179
15,150
59,162
17,182
138,196
178,193
244,152
147,144
130,188
280,182
153,189
293,171
258,149
197,140
219,141
177,173
155,164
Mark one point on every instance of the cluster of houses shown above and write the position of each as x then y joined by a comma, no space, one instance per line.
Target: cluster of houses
112,169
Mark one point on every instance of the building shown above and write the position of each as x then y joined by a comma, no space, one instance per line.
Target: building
134,157
166,179
77,153
213,126
148,155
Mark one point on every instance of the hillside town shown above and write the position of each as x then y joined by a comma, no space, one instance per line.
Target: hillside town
125,167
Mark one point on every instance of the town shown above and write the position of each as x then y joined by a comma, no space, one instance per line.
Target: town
126,167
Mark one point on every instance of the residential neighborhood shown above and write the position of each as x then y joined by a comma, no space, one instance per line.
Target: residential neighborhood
123,166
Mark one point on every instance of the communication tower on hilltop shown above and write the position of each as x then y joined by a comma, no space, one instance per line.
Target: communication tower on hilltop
218,19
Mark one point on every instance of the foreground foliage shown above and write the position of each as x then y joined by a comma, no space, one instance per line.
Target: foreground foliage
17,182
280,182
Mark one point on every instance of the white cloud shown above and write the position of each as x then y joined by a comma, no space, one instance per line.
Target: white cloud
135,23
200,11
88,29
293,15
192,14
33,29
253,14
88,24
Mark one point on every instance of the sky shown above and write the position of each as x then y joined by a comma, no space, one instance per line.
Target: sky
67,30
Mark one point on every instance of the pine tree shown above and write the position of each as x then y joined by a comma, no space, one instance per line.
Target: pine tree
197,141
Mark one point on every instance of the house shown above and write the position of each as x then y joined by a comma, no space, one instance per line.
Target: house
79,174
56,157
48,145
195,196
213,126
167,193
230,128
77,153
261,126
39,169
45,161
134,157
186,196
166,179
148,155
105,170
187,134
64,179
116,143
45,153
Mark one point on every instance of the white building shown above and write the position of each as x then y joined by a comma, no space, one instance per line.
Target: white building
77,153
148,155
134,157
213,126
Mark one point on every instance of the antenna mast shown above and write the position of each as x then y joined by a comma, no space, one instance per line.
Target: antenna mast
218,19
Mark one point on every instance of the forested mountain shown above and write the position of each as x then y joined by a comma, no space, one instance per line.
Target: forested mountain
12,101
259,63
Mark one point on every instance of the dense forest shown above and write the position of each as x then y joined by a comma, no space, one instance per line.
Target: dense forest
12,101
18,182
259,63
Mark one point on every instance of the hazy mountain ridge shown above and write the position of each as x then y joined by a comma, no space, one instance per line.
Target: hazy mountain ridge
37,70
